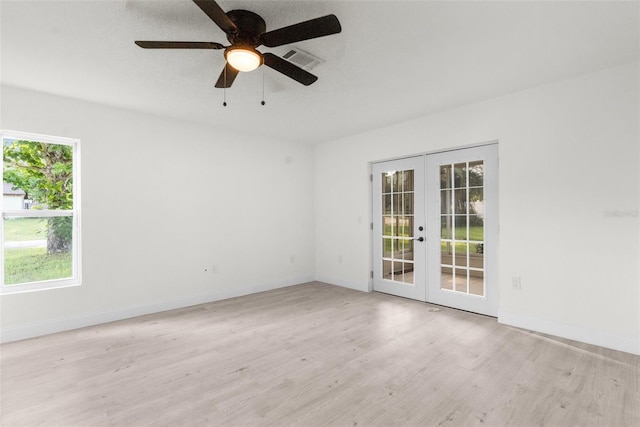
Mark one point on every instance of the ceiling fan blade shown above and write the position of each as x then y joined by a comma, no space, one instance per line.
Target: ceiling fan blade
288,69
306,30
225,81
217,15
179,45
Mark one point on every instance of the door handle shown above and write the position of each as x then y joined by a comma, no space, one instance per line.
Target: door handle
419,239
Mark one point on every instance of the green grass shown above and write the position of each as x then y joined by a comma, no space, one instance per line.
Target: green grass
475,233
461,248
22,229
24,265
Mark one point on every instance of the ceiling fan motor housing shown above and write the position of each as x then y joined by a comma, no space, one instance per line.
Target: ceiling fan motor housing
250,27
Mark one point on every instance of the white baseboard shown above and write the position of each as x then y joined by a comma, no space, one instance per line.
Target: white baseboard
628,344
343,283
21,332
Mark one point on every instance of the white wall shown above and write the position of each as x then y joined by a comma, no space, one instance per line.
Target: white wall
568,158
250,209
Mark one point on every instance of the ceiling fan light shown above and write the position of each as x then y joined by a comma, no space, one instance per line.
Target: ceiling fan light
243,58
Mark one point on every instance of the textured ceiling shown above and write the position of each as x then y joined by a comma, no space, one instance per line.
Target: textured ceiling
393,60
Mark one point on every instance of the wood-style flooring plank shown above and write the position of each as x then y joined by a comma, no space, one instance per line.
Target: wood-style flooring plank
314,355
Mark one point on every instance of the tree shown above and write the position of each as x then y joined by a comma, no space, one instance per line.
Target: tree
45,172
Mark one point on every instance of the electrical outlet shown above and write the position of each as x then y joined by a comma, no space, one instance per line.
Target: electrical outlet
292,259
516,283
339,259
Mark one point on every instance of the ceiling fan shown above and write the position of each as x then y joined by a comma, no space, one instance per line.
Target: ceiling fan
246,31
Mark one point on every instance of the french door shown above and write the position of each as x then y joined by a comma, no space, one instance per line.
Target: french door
399,242
436,228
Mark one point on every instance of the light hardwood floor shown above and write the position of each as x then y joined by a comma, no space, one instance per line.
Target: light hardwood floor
314,354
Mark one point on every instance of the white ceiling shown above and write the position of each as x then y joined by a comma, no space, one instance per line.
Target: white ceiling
393,60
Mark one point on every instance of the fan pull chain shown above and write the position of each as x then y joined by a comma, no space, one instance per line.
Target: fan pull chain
262,103
224,89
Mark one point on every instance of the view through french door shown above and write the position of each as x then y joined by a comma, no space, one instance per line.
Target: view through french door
435,228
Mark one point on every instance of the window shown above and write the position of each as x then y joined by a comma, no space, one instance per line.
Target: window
40,212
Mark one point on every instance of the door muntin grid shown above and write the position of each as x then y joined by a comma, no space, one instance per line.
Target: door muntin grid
398,216
462,265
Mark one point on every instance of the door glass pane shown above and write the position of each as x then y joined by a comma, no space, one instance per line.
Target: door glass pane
398,225
386,269
407,180
397,206
405,226
387,179
408,250
446,227
476,174
446,278
406,275
460,201
476,282
387,225
461,227
460,280
476,228
387,245
460,175
407,204
445,201
462,231
445,176
386,204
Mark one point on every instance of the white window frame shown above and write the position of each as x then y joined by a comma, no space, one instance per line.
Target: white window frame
76,271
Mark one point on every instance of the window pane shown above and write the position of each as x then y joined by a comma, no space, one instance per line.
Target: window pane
461,250
403,249
460,175
476,197
476,174
445,176
408,250
407,207
461,201
397,205
446,256
405,226
445,201
407,180
406,274
386,204
386,270
446,227
461,227
387,226
396,184
461,280
387,179
476,228
386,247
446,278
37,249
42,172
476,282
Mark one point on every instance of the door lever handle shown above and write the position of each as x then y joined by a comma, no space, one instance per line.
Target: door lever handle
419,239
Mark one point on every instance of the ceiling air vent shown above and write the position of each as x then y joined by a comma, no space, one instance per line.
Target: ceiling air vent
302,59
